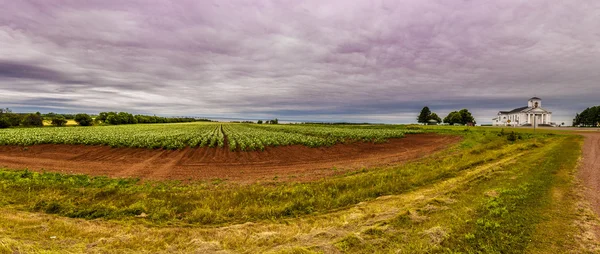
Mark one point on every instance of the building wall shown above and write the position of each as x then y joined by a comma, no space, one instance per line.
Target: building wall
521,119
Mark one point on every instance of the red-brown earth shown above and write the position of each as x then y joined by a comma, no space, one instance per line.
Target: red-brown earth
287,163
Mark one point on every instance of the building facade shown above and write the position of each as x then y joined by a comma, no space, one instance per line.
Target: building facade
525,116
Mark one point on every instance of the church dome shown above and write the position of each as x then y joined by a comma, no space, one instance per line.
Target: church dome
534,98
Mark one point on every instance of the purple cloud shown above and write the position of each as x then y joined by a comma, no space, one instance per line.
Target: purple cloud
340,60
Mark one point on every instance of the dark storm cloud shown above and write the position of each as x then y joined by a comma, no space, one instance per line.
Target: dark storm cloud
376,60
25,71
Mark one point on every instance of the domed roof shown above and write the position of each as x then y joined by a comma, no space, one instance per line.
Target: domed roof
534,98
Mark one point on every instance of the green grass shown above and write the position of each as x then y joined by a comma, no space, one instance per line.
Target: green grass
80,196
501,211
484,195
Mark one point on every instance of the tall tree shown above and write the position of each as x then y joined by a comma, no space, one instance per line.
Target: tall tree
424,116
460,117
434,116
588,117
466,116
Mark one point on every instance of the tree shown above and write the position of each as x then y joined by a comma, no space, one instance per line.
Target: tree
102,116
59,120
84,119
588,117
466,116
32,120
453,117
112,119
425,115
259,122
434,116
460,117
4,123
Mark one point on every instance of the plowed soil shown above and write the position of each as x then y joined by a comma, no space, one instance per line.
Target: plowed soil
288,163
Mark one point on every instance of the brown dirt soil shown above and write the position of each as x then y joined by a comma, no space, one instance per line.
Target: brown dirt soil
589,171
288,163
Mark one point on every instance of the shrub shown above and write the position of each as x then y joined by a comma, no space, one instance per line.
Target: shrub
59,120
33,120
511,137
84,119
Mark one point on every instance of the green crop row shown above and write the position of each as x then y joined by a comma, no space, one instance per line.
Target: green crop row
167,136
245,137
337,134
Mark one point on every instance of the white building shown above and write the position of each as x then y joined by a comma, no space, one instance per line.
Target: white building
533,113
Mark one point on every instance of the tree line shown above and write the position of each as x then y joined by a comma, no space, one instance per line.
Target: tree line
462,117
114,118
10,119
588,117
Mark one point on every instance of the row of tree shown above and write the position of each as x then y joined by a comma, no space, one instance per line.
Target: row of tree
10,119
115,118
589,117
273,121
462,117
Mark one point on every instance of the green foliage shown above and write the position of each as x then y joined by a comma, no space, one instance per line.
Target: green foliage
168,136
4,123
13,119
588,117
33,120
115,118
84,120
461,117
245,137
512,137
259,122
59,120
435,117
424,115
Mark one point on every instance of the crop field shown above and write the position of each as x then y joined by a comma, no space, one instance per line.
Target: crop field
178,136
313,189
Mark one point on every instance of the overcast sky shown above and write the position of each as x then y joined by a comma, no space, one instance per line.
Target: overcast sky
340,60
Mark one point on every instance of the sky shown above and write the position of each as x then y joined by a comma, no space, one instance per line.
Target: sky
335,60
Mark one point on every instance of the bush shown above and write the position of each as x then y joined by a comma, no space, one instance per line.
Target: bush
33,120
84,119
59,121
511,137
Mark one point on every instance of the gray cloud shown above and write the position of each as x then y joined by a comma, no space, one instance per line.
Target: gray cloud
339,60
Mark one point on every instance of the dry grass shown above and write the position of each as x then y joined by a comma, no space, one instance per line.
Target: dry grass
425,219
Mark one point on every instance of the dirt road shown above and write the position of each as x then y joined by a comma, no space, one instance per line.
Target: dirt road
289,163
589,173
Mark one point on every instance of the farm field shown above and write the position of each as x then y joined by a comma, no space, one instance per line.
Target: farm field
356,189
178,136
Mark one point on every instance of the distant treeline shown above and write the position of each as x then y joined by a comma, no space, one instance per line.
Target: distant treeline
589,117
10,119
115,118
